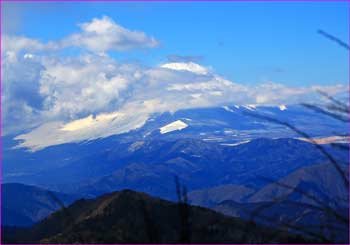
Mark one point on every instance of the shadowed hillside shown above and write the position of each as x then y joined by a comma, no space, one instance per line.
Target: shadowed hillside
132,217
24,205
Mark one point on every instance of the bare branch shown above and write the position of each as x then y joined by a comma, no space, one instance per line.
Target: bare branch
298,131
334,100
323,206
335,39
328,113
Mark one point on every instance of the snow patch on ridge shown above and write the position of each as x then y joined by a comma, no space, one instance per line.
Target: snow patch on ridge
235,144
177,125
226,108
250,107
282,107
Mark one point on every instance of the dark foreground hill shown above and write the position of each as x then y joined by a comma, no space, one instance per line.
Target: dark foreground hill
133,217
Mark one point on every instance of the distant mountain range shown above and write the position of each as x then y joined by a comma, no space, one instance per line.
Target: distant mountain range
227,125
321,181
313,197
131,217
199,164
228,160
312,222
24,205
150,166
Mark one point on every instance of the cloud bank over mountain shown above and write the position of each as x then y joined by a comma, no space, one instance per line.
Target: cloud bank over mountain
58,98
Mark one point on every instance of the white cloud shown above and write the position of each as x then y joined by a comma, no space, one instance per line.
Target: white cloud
16,44
21,102
92,97
189,66
101,35
84,85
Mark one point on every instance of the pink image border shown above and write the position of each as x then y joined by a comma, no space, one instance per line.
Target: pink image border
169,1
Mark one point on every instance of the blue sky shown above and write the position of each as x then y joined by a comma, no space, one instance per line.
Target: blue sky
75,71
245,42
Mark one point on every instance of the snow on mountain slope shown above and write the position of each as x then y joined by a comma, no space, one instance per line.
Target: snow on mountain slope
250,107
238,143
177,125
226,108
88,128
227,124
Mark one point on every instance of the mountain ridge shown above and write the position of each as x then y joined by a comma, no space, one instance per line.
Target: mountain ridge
24,205
107,219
